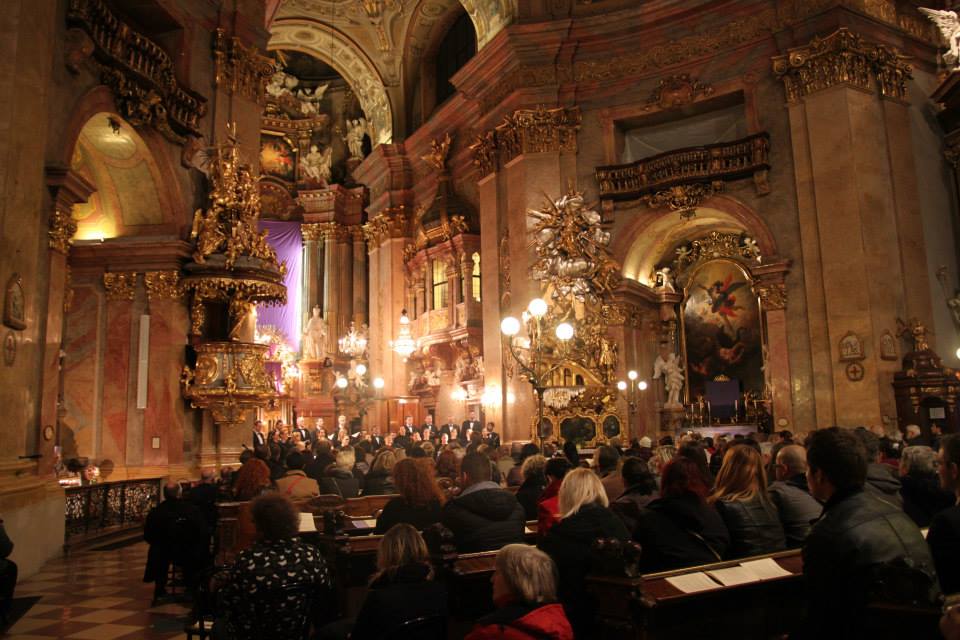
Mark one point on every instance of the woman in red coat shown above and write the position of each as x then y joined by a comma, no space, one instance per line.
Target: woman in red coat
548,508
525,593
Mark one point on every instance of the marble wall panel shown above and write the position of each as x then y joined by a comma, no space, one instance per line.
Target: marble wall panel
83,372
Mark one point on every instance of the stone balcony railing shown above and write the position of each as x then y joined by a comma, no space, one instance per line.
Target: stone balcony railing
713,163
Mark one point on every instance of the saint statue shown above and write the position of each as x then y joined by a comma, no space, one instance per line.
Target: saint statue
316,165
314,336
672,373
354,138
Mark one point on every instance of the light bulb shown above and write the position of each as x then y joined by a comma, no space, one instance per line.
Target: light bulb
342,383
510,326
642,386
564,331
632,374
537,307
403,317
361,369
622,385
378,383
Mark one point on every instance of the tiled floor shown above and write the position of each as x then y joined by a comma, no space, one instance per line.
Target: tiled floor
96,595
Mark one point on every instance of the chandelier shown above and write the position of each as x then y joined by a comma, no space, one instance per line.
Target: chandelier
354,344
404,345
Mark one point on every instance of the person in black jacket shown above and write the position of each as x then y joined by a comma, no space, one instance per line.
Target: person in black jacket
881,481
920,488
944,534
176,532
339,478
641,490
795,506
860,545
204,497
8,574
534,482
379,480
584,518
680,529
740,497
420,498
483,516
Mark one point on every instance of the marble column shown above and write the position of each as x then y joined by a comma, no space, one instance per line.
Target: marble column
120,288
345,280
313,268
360,276
331,285
773,303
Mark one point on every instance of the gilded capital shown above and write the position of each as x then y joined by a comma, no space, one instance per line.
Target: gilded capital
773,295
311,231
527,131
120,285
162,285
392,222
62,228
843,57
238,68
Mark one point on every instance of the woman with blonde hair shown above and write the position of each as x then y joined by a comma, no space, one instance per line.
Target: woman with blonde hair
740,496
403,587
584,518
525,593
379,481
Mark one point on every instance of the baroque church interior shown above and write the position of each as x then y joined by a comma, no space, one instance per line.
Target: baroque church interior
239,226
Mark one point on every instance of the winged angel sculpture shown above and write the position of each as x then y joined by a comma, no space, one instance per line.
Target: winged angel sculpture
949,26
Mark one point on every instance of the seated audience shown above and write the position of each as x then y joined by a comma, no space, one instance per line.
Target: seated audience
403,587
178,533
661,456
795,506
645,448
515,474
740,497
295,483
857,542
571,453
379,481
608,459
525,594
251,480
323,457
679,529
881,481
8,574
483,516
339,478
548,509
920,488
420,498
913,436
204,497
944,534
534,482
448,465
584,518
278,559
641,490
696,452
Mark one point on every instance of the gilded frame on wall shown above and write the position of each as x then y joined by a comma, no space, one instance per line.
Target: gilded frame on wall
14,305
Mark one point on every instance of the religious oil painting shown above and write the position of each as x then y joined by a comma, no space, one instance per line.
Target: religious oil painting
722,336
277,157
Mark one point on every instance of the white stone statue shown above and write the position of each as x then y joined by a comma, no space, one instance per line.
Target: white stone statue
949,26
354,138
317,164
665,280
314,337
672,373
281,84
310,100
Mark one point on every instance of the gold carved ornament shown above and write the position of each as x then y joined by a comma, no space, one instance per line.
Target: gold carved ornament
538,130
716,245
677,91
773,296
682,197
162,285
61,231
240,69
439,149
120,285
392,222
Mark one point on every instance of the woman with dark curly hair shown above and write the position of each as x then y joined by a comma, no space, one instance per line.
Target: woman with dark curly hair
252,478
420,497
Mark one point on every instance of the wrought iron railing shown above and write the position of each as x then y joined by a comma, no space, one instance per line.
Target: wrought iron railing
716,162
110,507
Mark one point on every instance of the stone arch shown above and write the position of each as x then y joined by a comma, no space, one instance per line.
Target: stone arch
645,242
490,17
348,60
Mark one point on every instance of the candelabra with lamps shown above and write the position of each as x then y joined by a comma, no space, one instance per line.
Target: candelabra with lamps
404,345
354,344
629,391
534,366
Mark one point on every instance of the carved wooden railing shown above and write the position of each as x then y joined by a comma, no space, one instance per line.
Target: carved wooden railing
713,163
139,72
99,510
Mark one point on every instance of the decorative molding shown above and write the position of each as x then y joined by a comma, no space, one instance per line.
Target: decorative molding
682,197
527,131
677,91
311,232
138,72
120,285
62,229
716,245
390,223
843,57
162,285
238,68
67,188
773,295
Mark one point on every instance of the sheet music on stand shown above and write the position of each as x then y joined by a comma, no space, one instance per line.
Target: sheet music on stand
307,525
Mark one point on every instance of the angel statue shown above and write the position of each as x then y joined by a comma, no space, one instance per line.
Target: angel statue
354,138
314,336
317,164
672,373
949,26
310,100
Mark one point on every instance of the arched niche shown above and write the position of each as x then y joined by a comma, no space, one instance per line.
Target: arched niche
338,51
490,17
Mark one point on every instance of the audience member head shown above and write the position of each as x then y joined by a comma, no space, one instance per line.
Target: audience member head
871,444
889,448
695,451
401,546
172,490
661,456
557,468
294,460
416,451
607,459
791,461
912,431
581,487
570,452
527,450
428,449
785,436
252,478
836,462
666,441
448,465
524,575
948,459
384,462
636,475
645,442
474,468
346,458
681,477
207,476
917,461
741,476
245,455
533,467
416,482
275,517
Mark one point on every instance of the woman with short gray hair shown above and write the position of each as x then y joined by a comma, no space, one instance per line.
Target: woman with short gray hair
919,486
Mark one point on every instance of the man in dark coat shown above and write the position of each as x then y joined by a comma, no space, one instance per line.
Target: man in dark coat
470,425
177,532
8,574
944,534
881,481
860,545
204,497
795,506
483,516
491,437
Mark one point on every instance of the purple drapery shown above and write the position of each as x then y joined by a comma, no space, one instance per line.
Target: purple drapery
287,241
